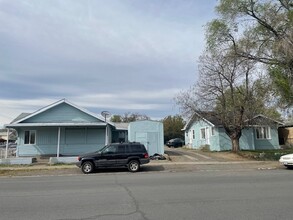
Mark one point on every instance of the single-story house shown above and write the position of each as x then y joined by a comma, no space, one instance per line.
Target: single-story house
64,129
61,128
206,130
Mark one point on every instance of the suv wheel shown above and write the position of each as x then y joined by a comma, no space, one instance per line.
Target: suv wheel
87,167
133,166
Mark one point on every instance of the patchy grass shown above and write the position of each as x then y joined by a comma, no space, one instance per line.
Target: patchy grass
265,154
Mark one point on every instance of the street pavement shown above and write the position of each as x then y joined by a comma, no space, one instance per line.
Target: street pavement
220,195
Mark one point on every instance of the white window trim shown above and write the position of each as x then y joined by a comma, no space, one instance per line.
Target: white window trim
201,138
193,134
213,129
30,137
268,133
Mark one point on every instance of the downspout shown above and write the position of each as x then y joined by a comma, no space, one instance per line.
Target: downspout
6,153
58,146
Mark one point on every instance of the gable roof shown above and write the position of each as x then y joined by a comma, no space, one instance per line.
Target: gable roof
24,116
266,118
210,118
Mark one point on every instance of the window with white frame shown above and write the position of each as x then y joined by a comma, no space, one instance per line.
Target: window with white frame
193,135
30,137
202,133
263,132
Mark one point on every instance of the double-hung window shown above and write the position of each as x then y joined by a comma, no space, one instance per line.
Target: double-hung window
30,137
212,131
263,132
203,133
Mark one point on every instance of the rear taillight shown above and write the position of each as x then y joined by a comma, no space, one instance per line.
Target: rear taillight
146,155
78,158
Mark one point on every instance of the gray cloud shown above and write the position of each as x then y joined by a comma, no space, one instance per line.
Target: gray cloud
120,55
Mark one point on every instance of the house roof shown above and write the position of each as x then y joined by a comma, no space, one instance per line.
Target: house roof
24,116
210,118
121,125
266,118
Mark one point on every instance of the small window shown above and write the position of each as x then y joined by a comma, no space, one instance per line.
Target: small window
203,133
262,133
30,137
193,134
112,149
213,131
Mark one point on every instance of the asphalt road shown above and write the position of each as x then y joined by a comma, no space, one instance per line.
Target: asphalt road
249,194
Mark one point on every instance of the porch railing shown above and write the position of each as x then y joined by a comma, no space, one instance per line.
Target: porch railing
10,153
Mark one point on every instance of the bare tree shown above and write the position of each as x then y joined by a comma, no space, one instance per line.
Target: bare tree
229,89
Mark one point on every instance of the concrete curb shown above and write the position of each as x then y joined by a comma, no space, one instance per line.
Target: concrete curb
152,163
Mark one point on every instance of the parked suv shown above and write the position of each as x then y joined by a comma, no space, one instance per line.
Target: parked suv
176,142
130,155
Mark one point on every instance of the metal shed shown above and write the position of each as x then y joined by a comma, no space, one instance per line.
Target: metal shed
149,133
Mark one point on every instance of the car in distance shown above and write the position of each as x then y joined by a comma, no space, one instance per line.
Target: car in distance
130,155
287,160
176,142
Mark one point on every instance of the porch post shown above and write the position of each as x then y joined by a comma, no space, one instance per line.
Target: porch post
58,146
106,136
6,153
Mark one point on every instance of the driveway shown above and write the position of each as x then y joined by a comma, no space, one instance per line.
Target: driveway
183,155
190,155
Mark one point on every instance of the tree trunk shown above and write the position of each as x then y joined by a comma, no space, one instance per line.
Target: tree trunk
235,144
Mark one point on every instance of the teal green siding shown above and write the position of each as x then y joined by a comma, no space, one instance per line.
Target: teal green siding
197,142
61,113
73,141
272,143
221,142
225,141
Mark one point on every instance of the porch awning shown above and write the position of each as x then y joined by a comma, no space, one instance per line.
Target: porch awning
98,124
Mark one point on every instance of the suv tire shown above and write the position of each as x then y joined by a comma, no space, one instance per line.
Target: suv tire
133,166
87,167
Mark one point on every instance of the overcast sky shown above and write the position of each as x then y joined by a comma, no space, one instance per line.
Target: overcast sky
115,55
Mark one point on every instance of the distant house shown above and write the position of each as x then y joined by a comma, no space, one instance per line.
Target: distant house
61,128
120,134
286,134
205,130
3,136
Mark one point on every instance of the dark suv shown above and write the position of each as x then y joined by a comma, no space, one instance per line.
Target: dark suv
130,155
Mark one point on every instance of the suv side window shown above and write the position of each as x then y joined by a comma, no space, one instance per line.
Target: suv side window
112,149
136,148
